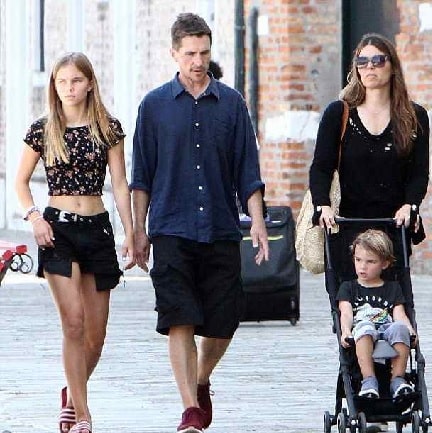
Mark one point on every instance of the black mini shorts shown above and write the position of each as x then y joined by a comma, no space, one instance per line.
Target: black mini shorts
197,284
87,240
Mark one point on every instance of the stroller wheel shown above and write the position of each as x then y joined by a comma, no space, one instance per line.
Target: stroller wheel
415,422
399,427
341,422
362,425
26,265
327,422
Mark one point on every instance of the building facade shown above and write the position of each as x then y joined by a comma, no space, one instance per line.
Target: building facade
286,56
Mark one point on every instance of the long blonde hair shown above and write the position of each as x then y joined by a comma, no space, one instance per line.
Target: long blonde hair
98,116
403,116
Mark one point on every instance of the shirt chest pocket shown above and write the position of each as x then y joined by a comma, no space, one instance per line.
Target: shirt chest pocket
221,133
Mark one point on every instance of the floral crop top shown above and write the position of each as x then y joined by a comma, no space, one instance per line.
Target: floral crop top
86,170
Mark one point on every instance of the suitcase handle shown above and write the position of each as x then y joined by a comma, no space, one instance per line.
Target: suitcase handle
277,216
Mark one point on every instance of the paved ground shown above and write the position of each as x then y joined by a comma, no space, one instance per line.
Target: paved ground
275,377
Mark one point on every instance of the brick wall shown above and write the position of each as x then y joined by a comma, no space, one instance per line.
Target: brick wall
414,46
297,57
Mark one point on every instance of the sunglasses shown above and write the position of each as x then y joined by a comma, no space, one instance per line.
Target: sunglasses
378,61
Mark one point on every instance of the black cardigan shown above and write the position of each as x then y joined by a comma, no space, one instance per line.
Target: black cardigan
375,180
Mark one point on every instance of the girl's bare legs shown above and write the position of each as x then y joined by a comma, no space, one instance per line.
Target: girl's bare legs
96,310
83,313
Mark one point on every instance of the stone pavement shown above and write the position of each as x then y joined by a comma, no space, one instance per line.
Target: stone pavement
275,377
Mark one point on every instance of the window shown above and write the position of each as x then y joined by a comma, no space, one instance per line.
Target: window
38,33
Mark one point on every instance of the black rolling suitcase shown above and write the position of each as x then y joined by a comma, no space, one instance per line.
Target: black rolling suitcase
272,290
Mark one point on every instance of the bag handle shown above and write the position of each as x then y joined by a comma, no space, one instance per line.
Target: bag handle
345,116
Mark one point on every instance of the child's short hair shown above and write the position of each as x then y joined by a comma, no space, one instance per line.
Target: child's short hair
377,242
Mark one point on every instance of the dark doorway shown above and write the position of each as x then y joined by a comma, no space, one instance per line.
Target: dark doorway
360,17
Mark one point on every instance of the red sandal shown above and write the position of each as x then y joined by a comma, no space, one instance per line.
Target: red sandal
67,414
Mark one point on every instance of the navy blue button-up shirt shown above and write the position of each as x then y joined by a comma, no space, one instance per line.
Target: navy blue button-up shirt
192,156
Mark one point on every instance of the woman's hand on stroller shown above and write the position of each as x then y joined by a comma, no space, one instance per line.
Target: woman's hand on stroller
409,216
347,340
413,339
327,217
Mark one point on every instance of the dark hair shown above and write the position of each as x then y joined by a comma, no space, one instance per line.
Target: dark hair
188,24
215,69
404,119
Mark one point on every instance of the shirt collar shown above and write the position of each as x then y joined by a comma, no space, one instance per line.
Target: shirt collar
177,87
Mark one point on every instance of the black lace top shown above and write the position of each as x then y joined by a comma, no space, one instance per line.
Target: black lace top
86,170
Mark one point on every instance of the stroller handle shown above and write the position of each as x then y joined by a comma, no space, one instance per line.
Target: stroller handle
350,341
389,221
344,220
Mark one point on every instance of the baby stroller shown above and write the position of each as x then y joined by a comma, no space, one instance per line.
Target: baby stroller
412,408
14,257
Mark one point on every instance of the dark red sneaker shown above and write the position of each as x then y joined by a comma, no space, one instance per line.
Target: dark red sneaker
192,421
205,403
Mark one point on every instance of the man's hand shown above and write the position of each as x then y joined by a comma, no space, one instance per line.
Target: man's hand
142,249
259,237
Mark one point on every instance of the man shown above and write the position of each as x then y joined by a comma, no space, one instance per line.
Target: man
194,149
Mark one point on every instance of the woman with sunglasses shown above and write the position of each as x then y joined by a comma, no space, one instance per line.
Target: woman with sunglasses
384,159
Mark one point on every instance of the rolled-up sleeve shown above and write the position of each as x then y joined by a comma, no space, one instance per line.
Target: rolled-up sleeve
246,160
144,150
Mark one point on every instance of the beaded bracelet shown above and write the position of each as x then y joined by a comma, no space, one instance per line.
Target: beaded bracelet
29,211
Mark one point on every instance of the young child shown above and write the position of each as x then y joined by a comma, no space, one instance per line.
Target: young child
370,306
